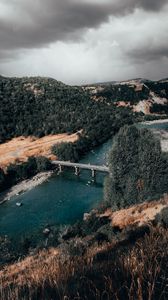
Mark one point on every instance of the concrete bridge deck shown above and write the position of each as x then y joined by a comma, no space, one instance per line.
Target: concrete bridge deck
79,166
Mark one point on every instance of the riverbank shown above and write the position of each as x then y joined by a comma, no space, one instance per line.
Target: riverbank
161,133
159,121
163,137
25,186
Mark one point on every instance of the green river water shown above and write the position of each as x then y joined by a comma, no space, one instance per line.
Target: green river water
62,199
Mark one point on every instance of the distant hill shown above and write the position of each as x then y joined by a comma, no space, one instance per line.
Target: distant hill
38,106
100,83
163,80
141,95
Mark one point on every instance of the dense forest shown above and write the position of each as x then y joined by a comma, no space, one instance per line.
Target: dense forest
160,88
138,168
159,109
133,92
41,106
127,93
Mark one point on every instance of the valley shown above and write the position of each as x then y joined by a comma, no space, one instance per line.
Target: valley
83,150
53,219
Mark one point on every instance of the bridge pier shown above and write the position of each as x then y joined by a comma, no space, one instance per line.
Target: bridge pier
79,166
93,174
77,171
60,168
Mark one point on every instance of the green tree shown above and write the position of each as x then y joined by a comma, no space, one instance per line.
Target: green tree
16,172
66,151
2,180
136,168
43,164
31,166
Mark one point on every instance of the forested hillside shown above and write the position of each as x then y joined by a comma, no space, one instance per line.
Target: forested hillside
123,92
160,88
42,106
141,95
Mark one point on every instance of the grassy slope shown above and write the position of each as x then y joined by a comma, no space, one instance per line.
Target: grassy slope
20,149
129,266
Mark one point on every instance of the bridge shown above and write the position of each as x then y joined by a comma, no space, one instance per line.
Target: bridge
78,166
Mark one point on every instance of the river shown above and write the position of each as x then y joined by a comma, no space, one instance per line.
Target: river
62,199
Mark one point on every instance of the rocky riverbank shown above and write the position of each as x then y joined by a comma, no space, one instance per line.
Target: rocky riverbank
25,186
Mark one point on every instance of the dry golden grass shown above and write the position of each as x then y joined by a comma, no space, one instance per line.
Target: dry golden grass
31,269
138,214
133,272
147,264
21,148
112,270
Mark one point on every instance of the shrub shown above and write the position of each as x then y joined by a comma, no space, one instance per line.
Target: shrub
43,164
65,151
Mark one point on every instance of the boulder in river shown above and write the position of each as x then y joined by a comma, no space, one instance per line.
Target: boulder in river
46,231
19,204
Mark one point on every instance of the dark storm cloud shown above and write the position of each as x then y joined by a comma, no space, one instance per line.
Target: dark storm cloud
151,5
149,53
34,24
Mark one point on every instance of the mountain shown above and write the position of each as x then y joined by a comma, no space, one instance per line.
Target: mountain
141,95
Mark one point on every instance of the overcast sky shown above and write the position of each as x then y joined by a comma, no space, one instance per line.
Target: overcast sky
81,41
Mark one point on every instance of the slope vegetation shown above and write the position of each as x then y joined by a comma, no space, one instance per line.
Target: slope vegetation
127,261
43,106
149,97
